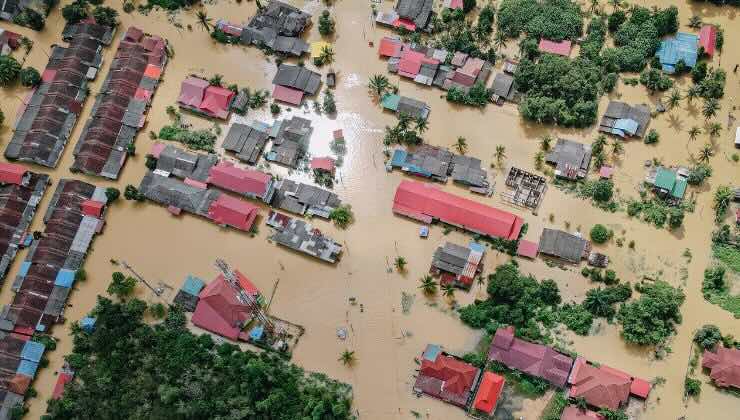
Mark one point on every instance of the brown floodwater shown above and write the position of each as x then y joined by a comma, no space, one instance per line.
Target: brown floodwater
386,340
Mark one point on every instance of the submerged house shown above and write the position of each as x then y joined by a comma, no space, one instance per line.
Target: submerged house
446,378
402,105
290,141
301,237
490,389
47,119
9,41
504,88
682,47
531,358
183,164
249,183
458,265
668,183
723,365
199,96
525,188
414,14
467,171
304,199
563,245
247,141
293,82
558,48
120,109
427,203
708,39
625,120
21,358
571,159
220,311
277,26
604,387
425,161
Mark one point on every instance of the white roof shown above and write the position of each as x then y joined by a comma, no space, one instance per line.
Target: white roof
737,136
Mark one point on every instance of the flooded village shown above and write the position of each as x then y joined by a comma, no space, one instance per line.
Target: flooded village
366,196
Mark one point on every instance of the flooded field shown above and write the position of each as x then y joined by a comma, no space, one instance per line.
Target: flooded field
385,339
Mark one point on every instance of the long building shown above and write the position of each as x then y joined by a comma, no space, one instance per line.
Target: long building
119,110
428,203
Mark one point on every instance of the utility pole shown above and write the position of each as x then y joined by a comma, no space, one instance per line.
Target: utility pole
157,292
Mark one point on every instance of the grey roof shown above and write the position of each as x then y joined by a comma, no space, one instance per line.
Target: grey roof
299,198
619,110
173,192
297,77
571,159
184,164
246,141
418,11
413,108
302,237
451,258
290,141
278,26
186,301
503,86
563,245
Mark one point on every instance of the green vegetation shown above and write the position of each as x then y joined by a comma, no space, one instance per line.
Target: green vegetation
342,216
326,23
180,131
600,234
613,414
33,19
655,80
692,387
477,95
600,302
407,132
132,193
555,407
657,212
577,318
121,286
452,32
10,69
168,4
329,105
524,384
112,194
400,263
428,285
698,173
182,375
80,10
637,38
715,288
651,319
708,336
552,19
722,198
30,77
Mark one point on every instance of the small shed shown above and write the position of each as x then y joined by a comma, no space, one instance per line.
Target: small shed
323,164
527,249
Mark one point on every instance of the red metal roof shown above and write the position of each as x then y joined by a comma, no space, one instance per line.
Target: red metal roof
410,63
287,95
219,311
11,173
552,47
527,249
390,47
216,101
92,208
133,34
708,39
600,387
152,71
231,211
724,366
192,90
572,412
244,282
323,163
425,202
243,181
62,380
410,25
488,392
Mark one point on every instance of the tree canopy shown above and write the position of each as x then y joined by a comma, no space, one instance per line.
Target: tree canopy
651,318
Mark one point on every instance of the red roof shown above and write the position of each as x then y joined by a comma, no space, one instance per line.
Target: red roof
606,171
219,311
287,95
195,183
724,366
446,378
244,282
152,71
323,163
11,173
534,359
157,149
638,387
192,90
552,47
390,47
410,63
216,101
231,211
572,412
338,134
708,39
488,392
424,202
133,34
456,4
527,249
408,24
92,208
243,181
63,379
603,388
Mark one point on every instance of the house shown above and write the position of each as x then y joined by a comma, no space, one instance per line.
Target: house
220,311
229,28
323,164
290,141
426,203
187,297
467,171
624,120
452,4
708,39
287,95
390,47
250,183
417,12
599,386
668,183
596,259
489,391
301,237
298,78
525,188
445,377
681,47
119,112
231,211
183,164
534,359
504,88
278,26
403,105
426,161
563,245
558,48
199,96
247,141
572,412
304,199
723,365
177,195
571,159
458,265
11,173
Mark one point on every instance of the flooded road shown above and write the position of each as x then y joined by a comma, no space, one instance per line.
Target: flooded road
165,249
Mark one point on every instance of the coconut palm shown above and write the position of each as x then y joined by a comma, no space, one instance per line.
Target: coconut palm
421,124
327,55
705,153
617,148
694,132
500,153
695,22
692,93
448,291
545,143
378,85
461,145
714,129
428,286
674,99
722,198
347,358
400,264
499,40
711,106
204,20
599,160
598,144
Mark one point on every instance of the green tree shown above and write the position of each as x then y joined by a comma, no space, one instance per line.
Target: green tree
708,336
468,5
674,99
705,153
448,291
112,194
722,197
694,133
158,310
428,285
326,23
714,129
30,77
342,216
75,12
378,85
105,16
651,318
545,142
347,358
461,145
10,68
421,124
500,154
203,20
692,93
710,108
692,387
132,193
400,264
600,234
121,286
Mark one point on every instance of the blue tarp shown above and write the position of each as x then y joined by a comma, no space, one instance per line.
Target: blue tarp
627,125
87,324
399,158
424,231
683,47
27,240
32,351
28,368
24,268
193,285
65,278
431,352
477,247
256,333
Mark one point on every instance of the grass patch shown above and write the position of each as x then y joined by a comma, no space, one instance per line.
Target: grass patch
555,407
727,255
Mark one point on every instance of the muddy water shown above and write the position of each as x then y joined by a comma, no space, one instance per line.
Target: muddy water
386,341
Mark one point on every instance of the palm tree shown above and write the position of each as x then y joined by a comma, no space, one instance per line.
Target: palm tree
581,403
599,143
327,55
400,264
204,20
461,145
499,40
714,129
692,93
448,291
694,132
722,198
711,106
694,22
347,358
378,85
599,160
428,286
545,143
421,124
617,147
705,153
675,99
500,153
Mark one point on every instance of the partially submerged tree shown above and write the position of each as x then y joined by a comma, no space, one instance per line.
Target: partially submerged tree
400,264
428,285
378,85
347,358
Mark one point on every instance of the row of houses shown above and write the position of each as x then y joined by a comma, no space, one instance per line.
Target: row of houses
410,15
48,117
290,140
120,107
20,193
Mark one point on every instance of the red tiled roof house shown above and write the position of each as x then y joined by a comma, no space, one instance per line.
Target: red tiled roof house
557,48
489,391
708,39
446,378
724,366
247,182
603,388
231,211
219,311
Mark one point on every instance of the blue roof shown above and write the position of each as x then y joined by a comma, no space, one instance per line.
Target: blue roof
27,240
431,352
683,47
627,125
65,278
399,158
193,285
256,332
28,368
475,246
416,170
87,323
24,268
32,351
424,231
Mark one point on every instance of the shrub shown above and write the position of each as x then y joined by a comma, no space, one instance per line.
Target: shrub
112,194
105,16
651,318
692,387
10,68
652,137
577,318
599,234
326,23
603,190
708,336
75,12
30,77
342,216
